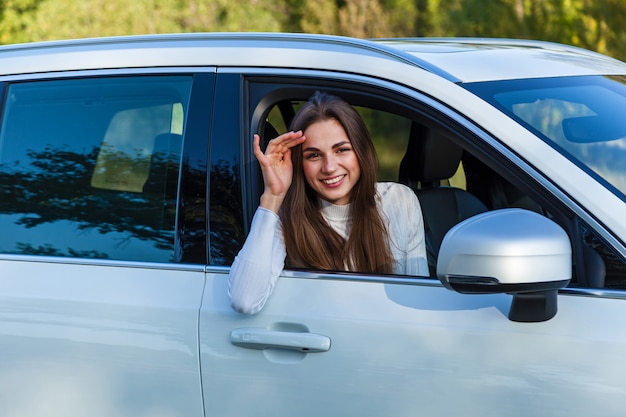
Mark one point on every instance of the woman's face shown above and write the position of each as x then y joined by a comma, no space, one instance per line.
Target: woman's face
330,164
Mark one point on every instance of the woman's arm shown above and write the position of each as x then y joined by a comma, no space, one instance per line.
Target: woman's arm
259,263
262,257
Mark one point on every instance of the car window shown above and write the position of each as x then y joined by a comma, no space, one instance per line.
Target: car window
579,116
89,167
415,148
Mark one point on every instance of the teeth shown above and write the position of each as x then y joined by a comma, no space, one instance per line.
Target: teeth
333,180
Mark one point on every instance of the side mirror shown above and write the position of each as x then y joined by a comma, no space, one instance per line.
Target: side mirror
512,251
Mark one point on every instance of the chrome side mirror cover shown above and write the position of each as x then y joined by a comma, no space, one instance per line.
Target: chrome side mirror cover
512,251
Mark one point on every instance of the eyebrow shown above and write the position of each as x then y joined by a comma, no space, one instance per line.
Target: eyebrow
335,146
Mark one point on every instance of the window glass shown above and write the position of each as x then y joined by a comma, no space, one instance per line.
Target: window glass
580,116
89,167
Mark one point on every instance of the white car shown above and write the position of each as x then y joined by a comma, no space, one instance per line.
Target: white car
128,183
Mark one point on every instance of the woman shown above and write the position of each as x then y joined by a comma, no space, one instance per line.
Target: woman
321,200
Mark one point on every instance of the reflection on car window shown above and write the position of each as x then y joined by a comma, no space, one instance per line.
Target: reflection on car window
580,116
89,167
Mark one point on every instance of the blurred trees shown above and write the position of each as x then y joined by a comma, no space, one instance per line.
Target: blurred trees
34,20
593,24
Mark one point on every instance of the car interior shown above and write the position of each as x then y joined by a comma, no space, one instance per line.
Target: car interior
429,162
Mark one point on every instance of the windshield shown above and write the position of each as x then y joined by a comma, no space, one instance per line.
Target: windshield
584,118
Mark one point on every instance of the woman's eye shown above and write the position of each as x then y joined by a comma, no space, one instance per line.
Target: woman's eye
343,150
312,156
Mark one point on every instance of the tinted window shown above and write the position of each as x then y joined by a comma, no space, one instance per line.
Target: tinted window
89,167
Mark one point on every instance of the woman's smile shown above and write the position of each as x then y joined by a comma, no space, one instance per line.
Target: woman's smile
332,182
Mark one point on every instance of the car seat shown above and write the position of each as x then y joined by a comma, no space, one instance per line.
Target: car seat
430,159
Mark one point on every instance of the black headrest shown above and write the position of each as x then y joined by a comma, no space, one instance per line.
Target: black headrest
268,133
430,156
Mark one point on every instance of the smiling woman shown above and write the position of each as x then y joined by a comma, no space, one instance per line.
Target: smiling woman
322,202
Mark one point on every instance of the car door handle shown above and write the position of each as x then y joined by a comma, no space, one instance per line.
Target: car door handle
258,338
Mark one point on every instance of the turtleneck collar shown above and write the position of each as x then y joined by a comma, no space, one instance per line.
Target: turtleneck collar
335,212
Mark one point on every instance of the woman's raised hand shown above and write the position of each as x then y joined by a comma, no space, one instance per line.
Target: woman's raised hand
276,167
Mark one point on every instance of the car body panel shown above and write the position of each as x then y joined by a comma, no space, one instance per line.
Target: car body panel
98,339
191,50
397,347
477,59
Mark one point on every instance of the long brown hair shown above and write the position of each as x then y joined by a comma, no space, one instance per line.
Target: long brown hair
310,241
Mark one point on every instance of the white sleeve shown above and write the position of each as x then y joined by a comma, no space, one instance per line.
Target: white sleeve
406,229
259,263
416,261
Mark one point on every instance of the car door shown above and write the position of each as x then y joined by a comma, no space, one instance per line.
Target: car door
100,281
350,344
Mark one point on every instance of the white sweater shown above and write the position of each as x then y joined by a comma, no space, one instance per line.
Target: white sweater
262,258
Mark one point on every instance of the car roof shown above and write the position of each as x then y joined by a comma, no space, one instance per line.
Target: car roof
481,59
456,59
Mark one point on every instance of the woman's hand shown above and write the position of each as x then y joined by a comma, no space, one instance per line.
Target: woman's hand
276,167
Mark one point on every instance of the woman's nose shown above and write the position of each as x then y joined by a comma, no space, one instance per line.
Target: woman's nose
329,165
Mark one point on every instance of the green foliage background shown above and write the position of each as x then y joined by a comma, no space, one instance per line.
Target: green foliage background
598,25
